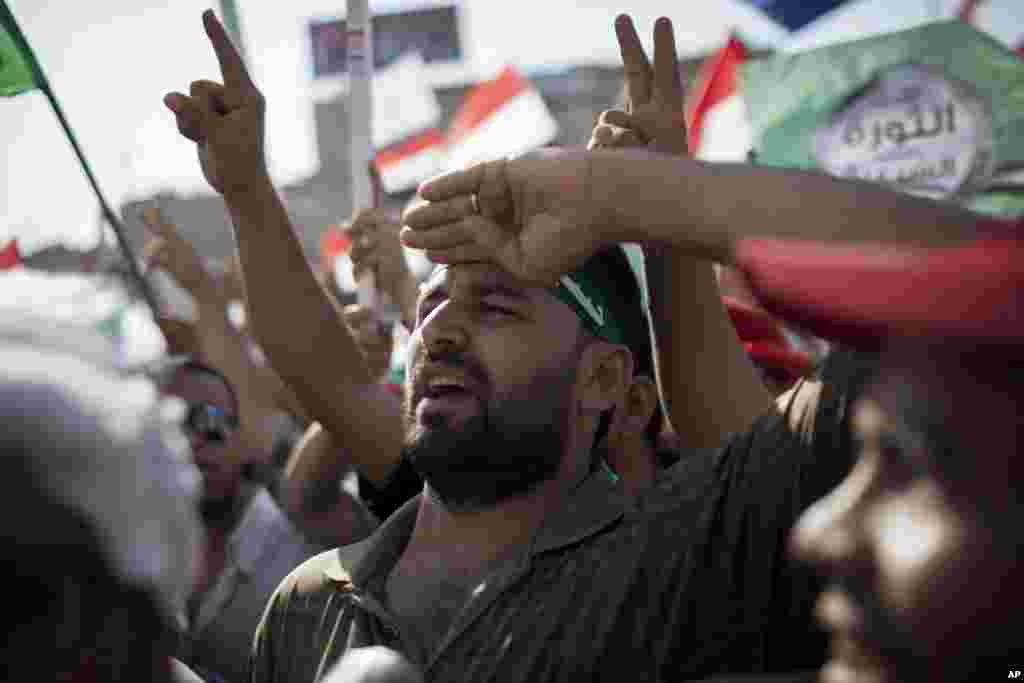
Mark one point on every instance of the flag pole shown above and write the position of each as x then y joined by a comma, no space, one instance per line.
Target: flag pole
359,58
7,18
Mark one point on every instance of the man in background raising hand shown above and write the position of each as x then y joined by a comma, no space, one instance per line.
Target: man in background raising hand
226,121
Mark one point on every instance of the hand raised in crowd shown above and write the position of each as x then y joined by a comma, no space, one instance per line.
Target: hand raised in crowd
211,337
226,121
372,337
654,97
166,249
376,249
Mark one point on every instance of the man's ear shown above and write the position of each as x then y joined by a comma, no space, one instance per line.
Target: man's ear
607,371
641,402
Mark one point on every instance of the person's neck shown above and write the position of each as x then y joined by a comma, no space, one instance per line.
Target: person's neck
466,541
635,464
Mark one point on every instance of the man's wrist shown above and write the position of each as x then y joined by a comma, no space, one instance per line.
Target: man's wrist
607,172
248,188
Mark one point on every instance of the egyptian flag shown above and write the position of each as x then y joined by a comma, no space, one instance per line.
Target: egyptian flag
405,164
407,140
499,118
716,117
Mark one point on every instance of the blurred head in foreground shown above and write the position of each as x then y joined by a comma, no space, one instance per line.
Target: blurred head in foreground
100,538
922,543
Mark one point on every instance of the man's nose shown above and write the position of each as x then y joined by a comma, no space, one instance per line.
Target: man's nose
444,330
829,534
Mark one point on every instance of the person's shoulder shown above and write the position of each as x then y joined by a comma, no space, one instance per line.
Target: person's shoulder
329,570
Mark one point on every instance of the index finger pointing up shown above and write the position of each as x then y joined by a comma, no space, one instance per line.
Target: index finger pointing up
232,68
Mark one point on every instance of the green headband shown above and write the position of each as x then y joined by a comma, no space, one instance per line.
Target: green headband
588,291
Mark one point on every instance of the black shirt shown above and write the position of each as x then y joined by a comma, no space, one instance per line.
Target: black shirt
688,580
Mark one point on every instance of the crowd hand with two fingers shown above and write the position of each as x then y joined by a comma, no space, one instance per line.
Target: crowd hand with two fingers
654,115
225,120
376,249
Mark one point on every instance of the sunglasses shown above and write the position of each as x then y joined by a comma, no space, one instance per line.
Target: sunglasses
210,422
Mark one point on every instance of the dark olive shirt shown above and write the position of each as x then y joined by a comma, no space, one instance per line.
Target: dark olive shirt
688,580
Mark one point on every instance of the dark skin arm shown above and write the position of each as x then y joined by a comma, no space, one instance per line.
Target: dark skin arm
294,319
709,386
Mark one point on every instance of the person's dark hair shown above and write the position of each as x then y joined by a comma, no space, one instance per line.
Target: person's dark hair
627,307
164,371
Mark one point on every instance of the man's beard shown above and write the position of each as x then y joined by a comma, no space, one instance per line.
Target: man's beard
515,444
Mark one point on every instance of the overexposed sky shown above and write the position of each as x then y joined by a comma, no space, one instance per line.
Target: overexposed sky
111,61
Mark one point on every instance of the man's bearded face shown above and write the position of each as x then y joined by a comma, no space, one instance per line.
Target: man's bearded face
477,445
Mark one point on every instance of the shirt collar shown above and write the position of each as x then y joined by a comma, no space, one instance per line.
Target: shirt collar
598,502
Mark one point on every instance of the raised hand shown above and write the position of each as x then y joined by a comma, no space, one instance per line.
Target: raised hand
539,216
377,249
166,249
372,336
654,97
226,121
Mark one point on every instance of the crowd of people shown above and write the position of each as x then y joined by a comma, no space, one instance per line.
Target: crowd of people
658,420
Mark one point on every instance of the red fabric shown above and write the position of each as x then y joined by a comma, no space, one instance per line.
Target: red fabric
408,147
753,324
716,81
333,243
780,358
765,342
865,295
9,256
485,99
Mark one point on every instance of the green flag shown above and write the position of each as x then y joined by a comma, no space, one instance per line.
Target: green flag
15,73
936,110
19,72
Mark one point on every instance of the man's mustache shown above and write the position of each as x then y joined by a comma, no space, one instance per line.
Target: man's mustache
437,362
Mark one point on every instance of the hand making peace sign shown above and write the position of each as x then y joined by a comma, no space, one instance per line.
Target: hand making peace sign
654,113
541,215
224,120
